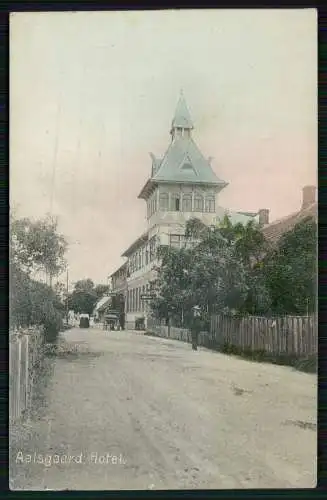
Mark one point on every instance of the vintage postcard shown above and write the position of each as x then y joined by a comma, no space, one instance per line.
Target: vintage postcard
163,250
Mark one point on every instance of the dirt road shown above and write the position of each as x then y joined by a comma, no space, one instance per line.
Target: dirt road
126,411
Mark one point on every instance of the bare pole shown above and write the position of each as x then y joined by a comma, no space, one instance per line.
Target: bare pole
55,154
67,291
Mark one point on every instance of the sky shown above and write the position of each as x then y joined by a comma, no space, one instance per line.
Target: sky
93,93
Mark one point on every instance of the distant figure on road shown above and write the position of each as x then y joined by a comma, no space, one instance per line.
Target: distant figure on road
196,327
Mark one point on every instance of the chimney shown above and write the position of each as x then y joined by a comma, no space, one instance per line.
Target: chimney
308,196
263,216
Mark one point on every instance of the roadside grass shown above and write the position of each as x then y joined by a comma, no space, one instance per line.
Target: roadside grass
305,364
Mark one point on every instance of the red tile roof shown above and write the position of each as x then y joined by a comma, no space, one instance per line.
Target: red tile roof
276,229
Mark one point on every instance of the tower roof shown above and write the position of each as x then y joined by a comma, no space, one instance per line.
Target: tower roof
184,162
182,117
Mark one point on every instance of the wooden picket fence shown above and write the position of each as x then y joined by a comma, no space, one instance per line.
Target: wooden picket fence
289,335
25,348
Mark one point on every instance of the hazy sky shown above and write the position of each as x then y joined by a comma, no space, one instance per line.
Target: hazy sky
91,94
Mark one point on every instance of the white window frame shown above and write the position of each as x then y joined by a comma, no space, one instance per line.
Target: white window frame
198,197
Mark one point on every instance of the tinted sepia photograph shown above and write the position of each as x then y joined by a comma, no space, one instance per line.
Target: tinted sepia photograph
163,329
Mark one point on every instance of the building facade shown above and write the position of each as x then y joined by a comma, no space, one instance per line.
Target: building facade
182,185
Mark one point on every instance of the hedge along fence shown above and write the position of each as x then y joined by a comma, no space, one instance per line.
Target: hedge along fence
290,335
25,349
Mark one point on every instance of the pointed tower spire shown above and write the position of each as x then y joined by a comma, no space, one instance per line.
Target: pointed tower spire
182,122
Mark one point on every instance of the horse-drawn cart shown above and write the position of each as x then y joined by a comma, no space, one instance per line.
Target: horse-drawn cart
111,322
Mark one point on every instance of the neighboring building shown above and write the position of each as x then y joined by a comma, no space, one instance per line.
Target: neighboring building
101,308
182,186
119,279
309,208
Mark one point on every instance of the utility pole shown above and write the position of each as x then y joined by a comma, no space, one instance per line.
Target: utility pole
67,291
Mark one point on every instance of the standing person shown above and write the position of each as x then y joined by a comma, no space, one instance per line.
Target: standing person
122,321
196,327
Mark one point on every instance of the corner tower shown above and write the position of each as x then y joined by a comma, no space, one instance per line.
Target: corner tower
183,184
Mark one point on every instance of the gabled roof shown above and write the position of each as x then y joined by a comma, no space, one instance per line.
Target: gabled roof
182,117
102,303
184,162
136,244
276,229
121,268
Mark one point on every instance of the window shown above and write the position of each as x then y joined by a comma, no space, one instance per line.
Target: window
210,204
163,201
146,255
175,240
142,257
152,248
187,203
187,166
198,203
175,202
153,205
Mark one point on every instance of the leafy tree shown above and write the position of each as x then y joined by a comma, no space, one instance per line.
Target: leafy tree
290,270
84,285
34,245
38,246
207,273
101,290
83,298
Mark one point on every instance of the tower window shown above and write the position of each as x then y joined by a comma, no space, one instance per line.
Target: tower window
163,201
175,202
187,203
210,204
198,203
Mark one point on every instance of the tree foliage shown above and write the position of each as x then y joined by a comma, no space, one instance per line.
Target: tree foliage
85,296
101,290
35,245
290,270
233,268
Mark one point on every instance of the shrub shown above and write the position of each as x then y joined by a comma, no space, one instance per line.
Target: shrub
33,303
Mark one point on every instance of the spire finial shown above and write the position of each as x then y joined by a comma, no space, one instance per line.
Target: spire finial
182,117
